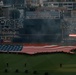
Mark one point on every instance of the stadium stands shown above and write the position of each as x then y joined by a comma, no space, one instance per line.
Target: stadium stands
10,48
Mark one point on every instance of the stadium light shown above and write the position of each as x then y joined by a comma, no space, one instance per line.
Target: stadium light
72,35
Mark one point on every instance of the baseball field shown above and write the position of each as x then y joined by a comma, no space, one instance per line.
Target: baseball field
42,64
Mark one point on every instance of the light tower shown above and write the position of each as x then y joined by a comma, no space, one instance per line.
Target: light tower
1,3
41,2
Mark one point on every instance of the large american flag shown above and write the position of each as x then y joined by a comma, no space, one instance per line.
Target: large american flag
47,48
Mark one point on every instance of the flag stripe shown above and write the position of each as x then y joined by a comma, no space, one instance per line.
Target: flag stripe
40,49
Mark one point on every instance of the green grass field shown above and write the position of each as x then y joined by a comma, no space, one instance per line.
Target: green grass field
41,63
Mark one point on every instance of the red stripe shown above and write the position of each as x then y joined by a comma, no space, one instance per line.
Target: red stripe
33,50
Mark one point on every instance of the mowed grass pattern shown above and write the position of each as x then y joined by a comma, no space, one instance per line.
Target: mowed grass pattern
41,63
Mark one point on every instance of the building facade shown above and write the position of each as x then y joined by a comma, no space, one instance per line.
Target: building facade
68,4
8,26
46,9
